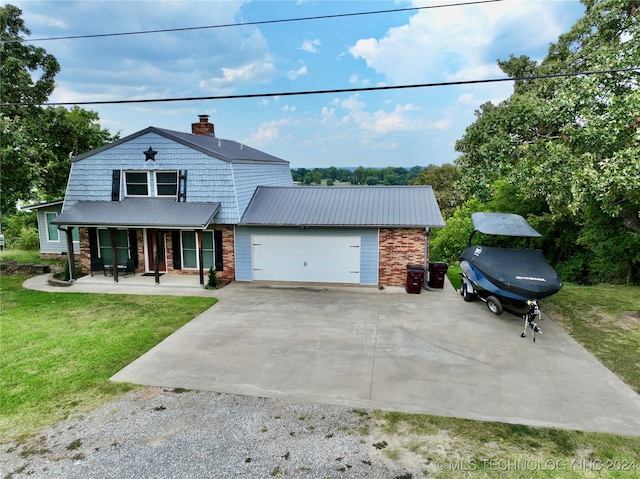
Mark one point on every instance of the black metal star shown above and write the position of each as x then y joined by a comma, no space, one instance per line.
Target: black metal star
150,154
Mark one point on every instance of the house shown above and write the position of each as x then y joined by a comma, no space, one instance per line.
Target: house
165,201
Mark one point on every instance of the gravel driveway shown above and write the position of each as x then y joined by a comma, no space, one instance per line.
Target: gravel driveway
161,433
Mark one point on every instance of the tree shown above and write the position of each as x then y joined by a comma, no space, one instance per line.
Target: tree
26,72
36,143
571,142
443,180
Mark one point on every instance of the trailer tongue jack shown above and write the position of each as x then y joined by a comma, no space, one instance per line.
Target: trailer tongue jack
530,319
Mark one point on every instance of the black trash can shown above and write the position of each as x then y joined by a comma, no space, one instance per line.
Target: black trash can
415,278
437,273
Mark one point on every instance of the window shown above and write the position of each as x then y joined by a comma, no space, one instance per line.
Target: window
137,183
52,230
190,250
167,183
122,246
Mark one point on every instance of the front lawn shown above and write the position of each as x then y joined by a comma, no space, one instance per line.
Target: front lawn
60,349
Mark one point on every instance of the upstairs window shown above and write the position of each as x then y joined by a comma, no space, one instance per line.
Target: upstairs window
137,183
166,183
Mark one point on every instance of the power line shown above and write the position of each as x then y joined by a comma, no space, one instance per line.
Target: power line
333,91
260,22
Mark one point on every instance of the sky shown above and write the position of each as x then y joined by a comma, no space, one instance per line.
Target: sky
394,127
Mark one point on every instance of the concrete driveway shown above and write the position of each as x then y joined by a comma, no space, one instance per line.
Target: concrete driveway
428,353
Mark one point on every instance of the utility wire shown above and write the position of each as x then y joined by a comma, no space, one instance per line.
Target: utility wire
334,91
260,22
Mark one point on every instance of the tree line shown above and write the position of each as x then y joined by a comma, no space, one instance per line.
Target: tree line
356,176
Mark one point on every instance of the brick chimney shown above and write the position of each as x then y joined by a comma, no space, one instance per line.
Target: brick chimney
203,127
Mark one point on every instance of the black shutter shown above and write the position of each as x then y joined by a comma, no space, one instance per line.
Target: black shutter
175,239
182,185
115,185
93,243
217,246
133,247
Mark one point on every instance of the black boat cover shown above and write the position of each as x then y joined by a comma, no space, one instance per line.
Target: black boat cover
521,271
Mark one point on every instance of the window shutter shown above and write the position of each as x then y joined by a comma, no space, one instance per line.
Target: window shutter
133,247
177,250
115,185
93,243
182,185
217,245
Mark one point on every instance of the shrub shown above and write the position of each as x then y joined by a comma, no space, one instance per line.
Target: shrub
29,239
213,278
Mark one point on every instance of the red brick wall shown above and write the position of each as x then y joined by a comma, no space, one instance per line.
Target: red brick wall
398,248
83,259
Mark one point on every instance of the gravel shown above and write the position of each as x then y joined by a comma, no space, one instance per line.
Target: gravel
165,433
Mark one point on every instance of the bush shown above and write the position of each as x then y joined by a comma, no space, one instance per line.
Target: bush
29,239
213,278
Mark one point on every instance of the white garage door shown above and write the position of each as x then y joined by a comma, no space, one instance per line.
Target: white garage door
306,258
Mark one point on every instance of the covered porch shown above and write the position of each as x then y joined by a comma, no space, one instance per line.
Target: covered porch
144,238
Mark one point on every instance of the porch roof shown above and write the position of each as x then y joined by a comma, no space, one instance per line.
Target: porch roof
139,213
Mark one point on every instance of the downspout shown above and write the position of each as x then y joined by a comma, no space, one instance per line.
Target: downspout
426,258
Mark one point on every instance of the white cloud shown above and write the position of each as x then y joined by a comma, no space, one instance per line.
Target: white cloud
293,74
310,46
249,73
353,103
457,42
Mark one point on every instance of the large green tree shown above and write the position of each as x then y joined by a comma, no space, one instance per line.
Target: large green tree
572,142
36,143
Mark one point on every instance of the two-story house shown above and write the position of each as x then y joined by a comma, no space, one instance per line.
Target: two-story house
164,201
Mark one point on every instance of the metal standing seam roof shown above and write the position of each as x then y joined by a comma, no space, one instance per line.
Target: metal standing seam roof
399,206
139,212
222,149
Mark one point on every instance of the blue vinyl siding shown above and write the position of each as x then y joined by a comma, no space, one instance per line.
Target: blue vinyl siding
54,247
368,248
208,179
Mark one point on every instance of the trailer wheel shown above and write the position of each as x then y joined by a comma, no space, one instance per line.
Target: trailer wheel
494,305
466,295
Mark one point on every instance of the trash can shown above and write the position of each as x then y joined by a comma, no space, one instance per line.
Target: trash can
437,272
415,277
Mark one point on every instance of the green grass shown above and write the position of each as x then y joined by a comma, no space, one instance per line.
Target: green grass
605,319
28,257
59,349
473,449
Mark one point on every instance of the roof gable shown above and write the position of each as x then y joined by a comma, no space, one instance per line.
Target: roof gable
390,206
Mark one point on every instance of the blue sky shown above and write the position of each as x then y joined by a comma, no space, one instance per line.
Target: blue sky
405,127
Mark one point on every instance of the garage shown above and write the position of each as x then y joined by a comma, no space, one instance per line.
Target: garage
306,258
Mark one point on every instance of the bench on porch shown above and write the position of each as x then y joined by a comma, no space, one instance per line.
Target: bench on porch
127,269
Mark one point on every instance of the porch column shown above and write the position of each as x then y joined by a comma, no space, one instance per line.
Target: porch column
157,255
200,256
70,253
114,254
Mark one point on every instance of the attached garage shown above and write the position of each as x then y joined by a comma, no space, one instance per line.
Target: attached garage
347,235
306,258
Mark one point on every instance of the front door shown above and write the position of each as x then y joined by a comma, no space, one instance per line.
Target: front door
156,251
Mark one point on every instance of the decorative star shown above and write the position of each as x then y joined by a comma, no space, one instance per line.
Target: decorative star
150,154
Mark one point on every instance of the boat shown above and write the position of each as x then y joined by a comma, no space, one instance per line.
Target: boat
511,279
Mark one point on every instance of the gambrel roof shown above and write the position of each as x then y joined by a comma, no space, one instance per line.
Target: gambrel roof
225,150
